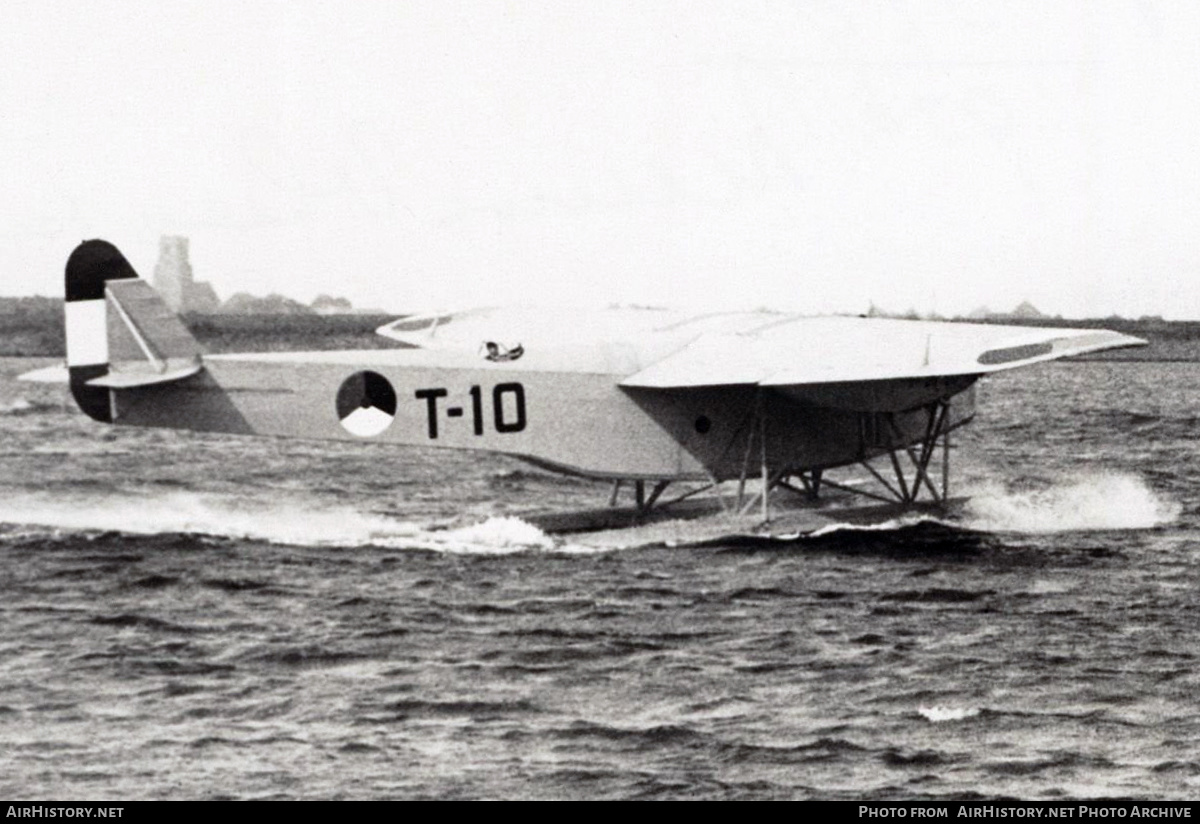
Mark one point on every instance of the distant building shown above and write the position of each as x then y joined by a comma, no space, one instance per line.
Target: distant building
173,278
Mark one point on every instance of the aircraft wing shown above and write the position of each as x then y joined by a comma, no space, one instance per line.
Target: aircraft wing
806,351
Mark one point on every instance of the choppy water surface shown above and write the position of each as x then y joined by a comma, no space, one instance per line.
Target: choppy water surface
189,616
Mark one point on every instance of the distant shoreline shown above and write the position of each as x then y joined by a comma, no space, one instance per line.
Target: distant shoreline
33,327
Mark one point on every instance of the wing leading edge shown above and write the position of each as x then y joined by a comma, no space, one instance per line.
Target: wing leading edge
840,350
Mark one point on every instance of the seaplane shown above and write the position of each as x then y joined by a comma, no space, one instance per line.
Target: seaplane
645,399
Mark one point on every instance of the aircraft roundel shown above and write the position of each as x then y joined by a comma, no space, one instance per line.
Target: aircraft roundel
366,404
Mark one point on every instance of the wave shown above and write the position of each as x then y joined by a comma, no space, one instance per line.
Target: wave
503,532
902,523
940,715
24,406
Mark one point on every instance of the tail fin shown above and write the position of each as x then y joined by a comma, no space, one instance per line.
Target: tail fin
120,333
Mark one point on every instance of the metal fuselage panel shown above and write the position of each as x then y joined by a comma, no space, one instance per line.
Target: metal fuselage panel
576,422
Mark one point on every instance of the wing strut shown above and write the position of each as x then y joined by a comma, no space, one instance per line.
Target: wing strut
644,504
906,485
910,477
769,480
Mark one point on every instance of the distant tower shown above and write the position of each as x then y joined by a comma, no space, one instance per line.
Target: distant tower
173,278
173,274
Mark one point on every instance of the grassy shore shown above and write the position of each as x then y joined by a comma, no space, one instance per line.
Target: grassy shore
33,327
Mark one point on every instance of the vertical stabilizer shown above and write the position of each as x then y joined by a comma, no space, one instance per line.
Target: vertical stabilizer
120,333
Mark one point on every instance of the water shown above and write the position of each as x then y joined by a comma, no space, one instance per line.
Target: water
187,616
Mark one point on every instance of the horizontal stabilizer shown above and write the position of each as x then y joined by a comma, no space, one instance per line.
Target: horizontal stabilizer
47,374
136,378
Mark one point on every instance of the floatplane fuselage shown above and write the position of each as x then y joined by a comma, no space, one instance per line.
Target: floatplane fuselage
625,395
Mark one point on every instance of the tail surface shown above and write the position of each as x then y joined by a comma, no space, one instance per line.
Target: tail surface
120,333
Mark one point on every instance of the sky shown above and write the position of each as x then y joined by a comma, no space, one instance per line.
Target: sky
801,156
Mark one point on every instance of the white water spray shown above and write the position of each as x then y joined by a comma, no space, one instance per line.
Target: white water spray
1085,502
297,523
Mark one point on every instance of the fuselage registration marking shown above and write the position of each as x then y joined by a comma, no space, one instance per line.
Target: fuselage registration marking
507,408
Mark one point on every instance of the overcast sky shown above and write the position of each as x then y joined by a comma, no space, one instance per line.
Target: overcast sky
806,156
